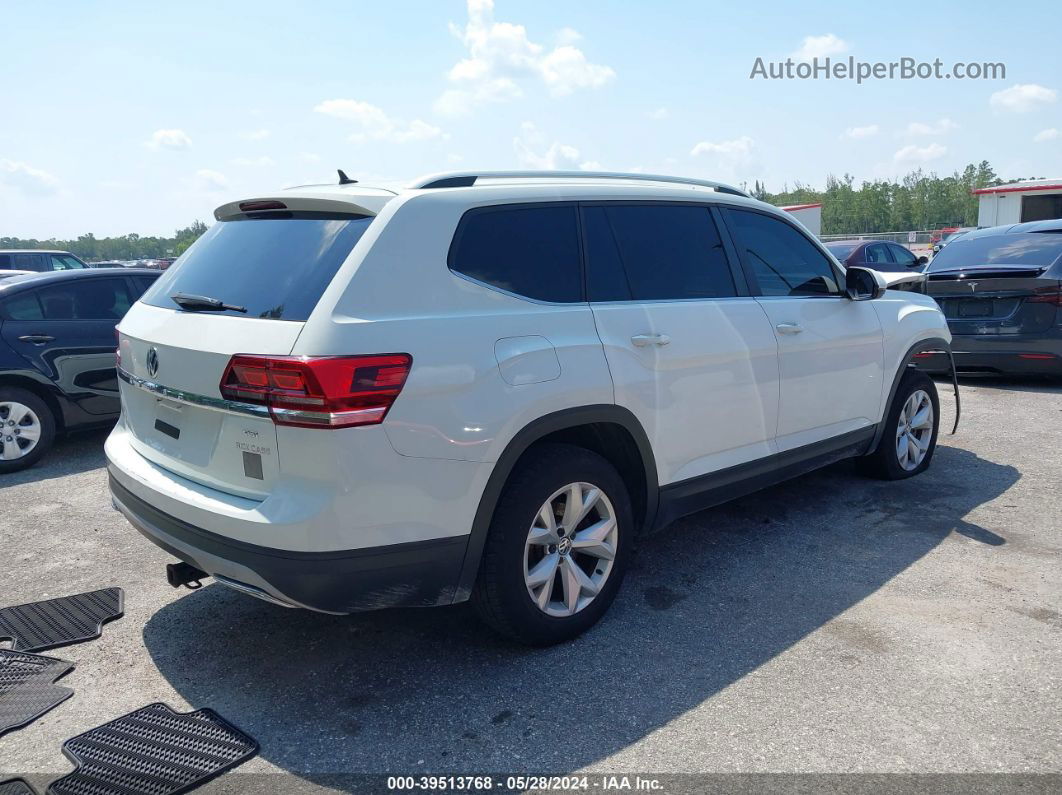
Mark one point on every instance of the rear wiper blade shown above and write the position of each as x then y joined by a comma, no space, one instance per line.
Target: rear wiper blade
204,303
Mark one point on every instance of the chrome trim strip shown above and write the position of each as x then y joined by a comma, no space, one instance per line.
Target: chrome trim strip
192,399
252,590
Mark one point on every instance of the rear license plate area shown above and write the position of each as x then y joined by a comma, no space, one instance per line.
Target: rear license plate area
170,430
975,308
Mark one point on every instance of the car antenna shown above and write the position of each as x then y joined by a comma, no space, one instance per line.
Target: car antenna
344,179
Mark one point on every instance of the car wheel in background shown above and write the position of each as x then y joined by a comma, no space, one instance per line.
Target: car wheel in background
27,429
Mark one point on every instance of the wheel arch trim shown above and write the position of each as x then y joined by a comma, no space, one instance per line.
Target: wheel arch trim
530,434
906,361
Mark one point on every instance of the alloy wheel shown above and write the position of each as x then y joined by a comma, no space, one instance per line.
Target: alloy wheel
20,430
914,430
570,550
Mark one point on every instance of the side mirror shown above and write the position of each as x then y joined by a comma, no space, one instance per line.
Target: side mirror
920,261
863,284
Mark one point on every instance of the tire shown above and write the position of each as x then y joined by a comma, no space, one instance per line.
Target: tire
886,462
506,596
32,415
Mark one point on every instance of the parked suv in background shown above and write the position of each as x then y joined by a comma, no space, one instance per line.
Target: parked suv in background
490,386
38,260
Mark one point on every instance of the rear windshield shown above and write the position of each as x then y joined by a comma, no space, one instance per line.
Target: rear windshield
1030,250
841,250
275,267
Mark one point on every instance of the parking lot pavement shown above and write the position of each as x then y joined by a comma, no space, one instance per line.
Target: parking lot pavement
832,623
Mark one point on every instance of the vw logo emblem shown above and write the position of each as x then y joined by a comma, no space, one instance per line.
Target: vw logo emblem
565,546
153,362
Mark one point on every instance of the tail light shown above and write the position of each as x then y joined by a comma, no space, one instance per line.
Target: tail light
1047,298
318,392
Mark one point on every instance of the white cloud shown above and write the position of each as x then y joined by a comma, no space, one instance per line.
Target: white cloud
375,124
309,157
27,179
255,135
454,157
920,154
499,53
861,132
532,152
1050,134
566,70
568,36
1022,98
820,46
169,139
735,149
659,114
259,162
936,128
210,181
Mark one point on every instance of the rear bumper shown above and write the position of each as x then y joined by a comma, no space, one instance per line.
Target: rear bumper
413,574
1039,356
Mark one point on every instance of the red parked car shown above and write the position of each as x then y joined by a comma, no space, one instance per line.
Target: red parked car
880,255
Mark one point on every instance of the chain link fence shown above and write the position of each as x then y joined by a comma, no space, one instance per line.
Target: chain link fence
915,238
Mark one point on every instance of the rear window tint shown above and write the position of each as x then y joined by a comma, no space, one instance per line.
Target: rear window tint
527,250
275,267
1030,249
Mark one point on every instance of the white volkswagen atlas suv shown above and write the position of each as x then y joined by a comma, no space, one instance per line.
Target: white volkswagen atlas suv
491,386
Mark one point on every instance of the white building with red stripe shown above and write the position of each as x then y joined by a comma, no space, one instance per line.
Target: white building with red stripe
1016,202
810,215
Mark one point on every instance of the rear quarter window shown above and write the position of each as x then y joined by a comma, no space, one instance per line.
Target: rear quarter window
21,306
532,251
275,267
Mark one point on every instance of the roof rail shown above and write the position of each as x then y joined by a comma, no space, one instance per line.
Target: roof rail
465,179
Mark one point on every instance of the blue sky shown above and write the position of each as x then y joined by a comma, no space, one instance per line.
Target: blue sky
122,117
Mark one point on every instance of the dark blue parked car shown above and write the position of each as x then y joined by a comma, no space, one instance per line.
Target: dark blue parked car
57,367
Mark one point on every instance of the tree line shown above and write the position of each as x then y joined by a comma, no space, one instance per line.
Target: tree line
917,201
126,247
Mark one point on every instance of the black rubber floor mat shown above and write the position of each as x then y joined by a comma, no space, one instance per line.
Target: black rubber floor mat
27,688
16,786
59,622
153,750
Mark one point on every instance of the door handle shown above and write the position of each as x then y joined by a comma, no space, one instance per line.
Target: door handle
36,339
642,340
789,328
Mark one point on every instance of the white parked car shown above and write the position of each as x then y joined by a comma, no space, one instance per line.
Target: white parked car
491,386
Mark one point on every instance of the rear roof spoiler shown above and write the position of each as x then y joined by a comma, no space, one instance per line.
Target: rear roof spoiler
313,204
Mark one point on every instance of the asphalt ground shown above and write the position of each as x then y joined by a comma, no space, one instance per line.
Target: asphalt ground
833,624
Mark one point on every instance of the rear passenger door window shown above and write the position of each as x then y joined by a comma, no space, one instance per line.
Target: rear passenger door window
31,262
878,254
85,299
529,250
654,252
780,257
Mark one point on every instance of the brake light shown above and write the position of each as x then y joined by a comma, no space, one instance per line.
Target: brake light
318,392
1047,298
262,205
